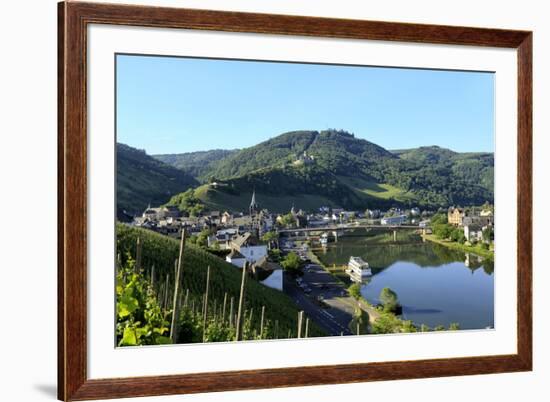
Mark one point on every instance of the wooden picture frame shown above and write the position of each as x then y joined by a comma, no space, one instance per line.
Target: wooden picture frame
74,17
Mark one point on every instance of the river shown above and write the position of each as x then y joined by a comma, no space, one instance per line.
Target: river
435,285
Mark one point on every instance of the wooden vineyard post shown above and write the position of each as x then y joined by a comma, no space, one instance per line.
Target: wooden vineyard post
205,304
307,328
224,305
175,312
231,311
166,285
262,322
238,323
186,300
300,318
138,255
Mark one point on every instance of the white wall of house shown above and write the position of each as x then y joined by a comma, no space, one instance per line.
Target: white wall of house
253,253
238,262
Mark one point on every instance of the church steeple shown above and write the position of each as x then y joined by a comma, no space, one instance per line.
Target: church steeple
253,204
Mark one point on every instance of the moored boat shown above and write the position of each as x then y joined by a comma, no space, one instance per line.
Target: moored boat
358,269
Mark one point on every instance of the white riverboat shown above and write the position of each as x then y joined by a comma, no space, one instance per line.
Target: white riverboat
358,270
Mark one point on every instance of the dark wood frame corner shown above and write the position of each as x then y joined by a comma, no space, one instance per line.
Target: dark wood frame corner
73,383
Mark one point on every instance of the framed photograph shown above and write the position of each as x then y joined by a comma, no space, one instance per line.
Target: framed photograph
252,200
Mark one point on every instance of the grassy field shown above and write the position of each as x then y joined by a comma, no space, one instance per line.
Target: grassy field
161,252
462,247
377,190
216,199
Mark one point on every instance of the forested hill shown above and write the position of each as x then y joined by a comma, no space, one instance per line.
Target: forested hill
143,180
470,167
335,151
197,164
333,167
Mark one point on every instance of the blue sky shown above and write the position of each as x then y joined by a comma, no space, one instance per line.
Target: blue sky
175,105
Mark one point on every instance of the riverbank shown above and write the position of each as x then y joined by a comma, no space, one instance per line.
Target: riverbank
478,250
337,272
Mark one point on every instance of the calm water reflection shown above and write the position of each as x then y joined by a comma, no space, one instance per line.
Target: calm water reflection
435,285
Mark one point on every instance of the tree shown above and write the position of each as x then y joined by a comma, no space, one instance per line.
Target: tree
202,238
443,230
275,255
188,203
454,326
359,325
270,237
291,262
439,218
287,220
487,234
388,298
408,326
355,291
458,236
386,323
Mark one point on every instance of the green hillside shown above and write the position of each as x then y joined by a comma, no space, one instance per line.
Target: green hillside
338,152
143,180
472,168
378,190
197,164
218,199
161,252
309,169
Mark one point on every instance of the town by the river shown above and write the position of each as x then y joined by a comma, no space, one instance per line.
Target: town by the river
356,272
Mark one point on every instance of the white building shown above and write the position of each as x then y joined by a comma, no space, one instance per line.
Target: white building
473,233
247,249
394,220
253,253
236,259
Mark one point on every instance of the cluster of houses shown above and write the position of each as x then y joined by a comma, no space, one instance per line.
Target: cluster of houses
238,233
474,221
225,227
168,220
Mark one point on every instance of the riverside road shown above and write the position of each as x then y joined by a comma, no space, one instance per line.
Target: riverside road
327,304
